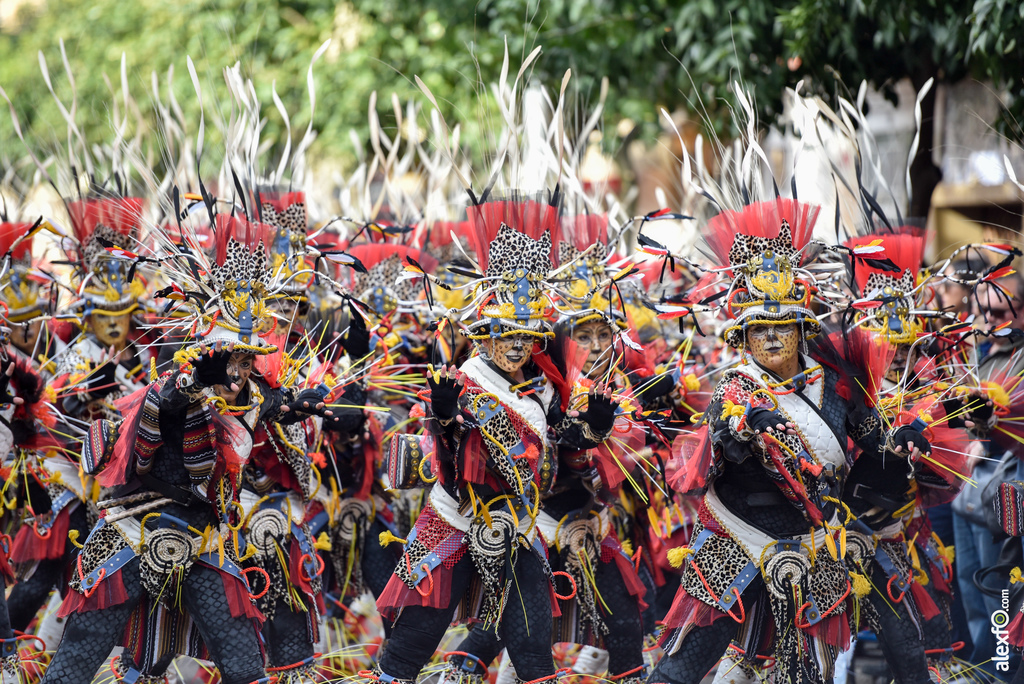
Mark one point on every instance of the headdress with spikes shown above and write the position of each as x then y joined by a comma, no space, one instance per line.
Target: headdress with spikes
761,246
103,228
889,292
20,284
285,213
513,241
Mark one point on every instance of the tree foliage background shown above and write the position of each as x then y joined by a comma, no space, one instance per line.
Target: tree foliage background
656,53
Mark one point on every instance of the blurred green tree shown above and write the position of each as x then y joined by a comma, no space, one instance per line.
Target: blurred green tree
656,53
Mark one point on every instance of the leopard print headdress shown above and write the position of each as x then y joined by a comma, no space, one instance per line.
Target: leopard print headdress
238,312
19,286
100,226
518,265
761,246
892,289
512,241
285,213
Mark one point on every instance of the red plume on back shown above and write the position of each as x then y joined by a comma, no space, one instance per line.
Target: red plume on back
439,233
904,248
9,232
583,230
761,219
371,254
281,201
527,216
119,213
239,229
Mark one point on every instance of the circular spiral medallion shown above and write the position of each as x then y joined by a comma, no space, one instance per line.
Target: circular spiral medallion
785,569
859,546
489,541
267,528
579,538
353,515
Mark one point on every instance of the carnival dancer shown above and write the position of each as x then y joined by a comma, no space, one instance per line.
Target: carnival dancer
24,416
601,608
763,565
162,568
107,361
896,549
475,545
282,493
25,295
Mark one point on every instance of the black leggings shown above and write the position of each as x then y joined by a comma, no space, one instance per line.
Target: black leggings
287,636
526,624
625,639
6,631
378,561
897,634
89,637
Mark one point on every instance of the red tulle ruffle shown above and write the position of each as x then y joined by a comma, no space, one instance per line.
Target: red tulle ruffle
29,546
691,461
110,591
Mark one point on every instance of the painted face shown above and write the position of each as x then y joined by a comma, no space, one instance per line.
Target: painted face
904,359
24,336
774,346
597,336
511,353
285,311
239,369
110,330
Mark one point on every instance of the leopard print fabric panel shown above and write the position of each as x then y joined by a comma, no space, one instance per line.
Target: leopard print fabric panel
501,436
876,282
513,250
105,542
720,560
240,265
292,219
94,249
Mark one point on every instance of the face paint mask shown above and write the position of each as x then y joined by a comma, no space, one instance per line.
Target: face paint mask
238,370
900,365
24,337
511,353
110,330
775,347
285,314
596,336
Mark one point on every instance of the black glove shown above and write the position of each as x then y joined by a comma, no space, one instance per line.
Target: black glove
980,410
760,419
6,367
357,342
444,396
347,413
306,401
102,381
907,434
211,369
600,413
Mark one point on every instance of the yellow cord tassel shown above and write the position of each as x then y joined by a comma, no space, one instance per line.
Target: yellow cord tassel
915,561
678,555
627,547
1015,576
386,537
830,544
73,538
323,542
861,585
